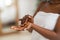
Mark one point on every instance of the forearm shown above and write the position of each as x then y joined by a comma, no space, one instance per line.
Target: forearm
46,33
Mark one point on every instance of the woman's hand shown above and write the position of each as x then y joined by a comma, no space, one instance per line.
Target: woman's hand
30,19
17,28
27,18
20,28
25,22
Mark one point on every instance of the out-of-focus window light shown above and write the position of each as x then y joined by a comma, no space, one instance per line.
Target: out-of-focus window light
5,3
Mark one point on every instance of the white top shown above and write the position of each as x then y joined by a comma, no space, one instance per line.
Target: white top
45,20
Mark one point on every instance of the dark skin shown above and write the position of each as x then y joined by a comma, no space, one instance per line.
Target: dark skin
52,35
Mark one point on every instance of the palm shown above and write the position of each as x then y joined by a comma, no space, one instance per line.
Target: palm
17,28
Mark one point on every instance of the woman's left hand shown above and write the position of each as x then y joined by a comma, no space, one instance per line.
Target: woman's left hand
18,28
26,24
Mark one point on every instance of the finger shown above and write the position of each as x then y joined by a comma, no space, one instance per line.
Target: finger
12,27
29,16
29,26
19,29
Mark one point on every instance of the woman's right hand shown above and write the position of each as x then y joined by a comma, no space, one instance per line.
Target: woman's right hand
27,18
30,20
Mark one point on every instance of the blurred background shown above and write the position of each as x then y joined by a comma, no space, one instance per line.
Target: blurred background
8,13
